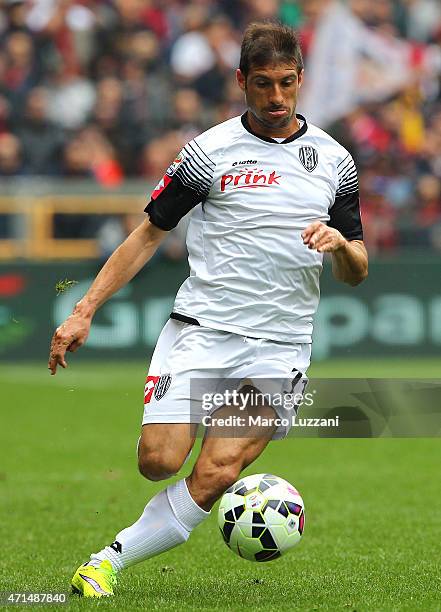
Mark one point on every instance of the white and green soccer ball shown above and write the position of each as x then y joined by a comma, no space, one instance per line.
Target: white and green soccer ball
261,517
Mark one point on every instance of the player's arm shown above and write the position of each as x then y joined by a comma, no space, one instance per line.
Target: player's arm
185,184
120,268
343,235
349,257
350,262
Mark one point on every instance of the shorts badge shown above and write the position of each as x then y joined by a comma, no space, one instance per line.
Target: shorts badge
162,386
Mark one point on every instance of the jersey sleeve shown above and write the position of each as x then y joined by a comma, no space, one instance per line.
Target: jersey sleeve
345,212
185,184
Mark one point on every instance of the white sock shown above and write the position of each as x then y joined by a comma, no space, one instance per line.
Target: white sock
167,521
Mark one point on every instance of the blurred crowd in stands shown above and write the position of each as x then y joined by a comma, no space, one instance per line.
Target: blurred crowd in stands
111,89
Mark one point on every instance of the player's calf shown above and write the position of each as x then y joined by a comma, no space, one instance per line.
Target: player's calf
222,459
208,483
211,477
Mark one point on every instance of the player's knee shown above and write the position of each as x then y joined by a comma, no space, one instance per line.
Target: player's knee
157,465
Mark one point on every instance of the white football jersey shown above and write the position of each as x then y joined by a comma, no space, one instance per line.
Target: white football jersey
250,272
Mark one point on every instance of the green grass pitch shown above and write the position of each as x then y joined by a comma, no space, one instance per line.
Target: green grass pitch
68,483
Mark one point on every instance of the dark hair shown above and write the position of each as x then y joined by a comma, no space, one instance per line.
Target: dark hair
268,42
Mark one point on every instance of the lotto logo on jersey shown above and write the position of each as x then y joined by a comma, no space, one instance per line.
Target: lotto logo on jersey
149,387
250,179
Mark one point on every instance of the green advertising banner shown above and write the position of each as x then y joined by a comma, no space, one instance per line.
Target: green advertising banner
396,312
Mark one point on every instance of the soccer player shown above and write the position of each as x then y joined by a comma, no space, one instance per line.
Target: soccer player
269,194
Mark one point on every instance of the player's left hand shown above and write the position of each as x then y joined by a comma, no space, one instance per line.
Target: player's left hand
322,238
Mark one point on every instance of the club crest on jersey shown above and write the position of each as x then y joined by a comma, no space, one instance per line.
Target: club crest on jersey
162,386
309,158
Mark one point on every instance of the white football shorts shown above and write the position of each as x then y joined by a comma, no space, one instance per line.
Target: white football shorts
192,364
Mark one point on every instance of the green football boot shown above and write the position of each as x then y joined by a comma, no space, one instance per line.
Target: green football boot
92,581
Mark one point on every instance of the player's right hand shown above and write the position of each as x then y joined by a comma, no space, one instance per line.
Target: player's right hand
68,337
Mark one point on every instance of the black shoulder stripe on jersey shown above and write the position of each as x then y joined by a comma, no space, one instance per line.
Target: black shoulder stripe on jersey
346,171
193,144
198,171
347,177
173,203
195,159
345,216
197,150
348,183
202,188
346,163
348,156
350,189
195,172
344,192
349,174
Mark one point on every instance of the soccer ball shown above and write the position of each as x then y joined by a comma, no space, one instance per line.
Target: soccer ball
261,517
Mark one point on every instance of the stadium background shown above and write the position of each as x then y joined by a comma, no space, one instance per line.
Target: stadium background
96,98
